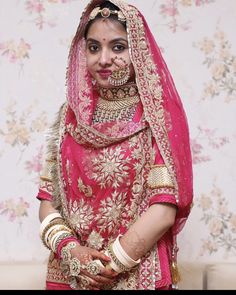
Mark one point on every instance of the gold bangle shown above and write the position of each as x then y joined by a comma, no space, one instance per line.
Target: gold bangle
56,230
115,259
62,237
55,221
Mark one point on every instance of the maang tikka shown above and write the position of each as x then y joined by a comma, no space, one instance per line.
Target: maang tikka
106,12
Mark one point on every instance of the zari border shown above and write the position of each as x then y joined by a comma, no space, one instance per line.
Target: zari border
52,153
149,270
57,134
148,82
62,133
89,136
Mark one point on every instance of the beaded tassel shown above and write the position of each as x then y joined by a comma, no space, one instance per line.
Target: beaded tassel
175,274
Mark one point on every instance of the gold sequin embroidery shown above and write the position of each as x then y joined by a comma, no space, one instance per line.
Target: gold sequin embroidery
86,189
159,177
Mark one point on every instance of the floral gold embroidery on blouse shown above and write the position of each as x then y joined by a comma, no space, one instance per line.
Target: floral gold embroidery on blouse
110,168
86,189
81,216
111,212
95,240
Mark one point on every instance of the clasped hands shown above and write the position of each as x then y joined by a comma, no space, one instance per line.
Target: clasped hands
84,267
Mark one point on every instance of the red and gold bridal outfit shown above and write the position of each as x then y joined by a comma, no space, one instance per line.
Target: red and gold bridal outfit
104,171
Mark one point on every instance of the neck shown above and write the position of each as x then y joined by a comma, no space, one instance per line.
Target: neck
124,92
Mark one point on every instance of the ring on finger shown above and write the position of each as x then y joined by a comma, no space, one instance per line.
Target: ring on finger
93,268
84,282
75,266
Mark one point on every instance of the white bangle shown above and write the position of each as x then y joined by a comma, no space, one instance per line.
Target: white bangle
119,256
47,220
124,258
54,239
50,230
112,264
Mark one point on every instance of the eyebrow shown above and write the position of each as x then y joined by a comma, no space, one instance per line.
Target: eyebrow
112,41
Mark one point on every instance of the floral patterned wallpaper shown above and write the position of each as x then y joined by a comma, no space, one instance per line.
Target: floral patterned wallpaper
198,42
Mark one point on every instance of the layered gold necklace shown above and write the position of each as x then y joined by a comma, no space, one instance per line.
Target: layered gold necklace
116,104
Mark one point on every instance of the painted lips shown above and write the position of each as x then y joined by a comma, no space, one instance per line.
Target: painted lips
104,74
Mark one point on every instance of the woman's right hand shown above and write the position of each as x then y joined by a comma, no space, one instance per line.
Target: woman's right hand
86,255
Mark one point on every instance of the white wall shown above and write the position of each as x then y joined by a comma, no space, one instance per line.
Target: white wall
198,42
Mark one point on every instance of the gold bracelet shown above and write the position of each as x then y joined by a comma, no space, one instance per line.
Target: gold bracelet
55,221
62,237
115,259
56,230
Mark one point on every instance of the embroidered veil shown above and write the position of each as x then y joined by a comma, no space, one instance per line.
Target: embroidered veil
162,106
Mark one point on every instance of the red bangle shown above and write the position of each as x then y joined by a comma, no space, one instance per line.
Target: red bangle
63,243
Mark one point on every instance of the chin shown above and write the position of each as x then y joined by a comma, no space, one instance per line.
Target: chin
104,83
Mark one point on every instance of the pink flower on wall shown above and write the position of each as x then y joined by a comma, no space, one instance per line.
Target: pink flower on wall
212,140
15,52
221,63
220,223
38,8
21,127
15,210
35,164
171,10
197,150
35,6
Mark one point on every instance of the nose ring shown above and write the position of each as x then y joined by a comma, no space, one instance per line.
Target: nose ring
121,75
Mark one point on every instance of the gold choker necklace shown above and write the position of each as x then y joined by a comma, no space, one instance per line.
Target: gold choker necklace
116,104
118,93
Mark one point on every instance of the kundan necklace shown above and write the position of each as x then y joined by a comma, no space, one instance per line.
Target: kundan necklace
116,104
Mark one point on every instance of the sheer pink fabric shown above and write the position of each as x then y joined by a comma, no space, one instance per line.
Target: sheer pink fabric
178,133
161,103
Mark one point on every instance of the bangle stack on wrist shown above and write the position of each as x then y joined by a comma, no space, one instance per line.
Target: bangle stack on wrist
53,230
64,242
120,260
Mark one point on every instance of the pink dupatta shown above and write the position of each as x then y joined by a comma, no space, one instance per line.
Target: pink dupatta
160,101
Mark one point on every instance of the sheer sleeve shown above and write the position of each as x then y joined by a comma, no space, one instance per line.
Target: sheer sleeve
160,185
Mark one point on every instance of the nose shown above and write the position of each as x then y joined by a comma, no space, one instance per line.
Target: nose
105,58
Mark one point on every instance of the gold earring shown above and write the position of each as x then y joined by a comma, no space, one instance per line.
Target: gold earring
121,75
